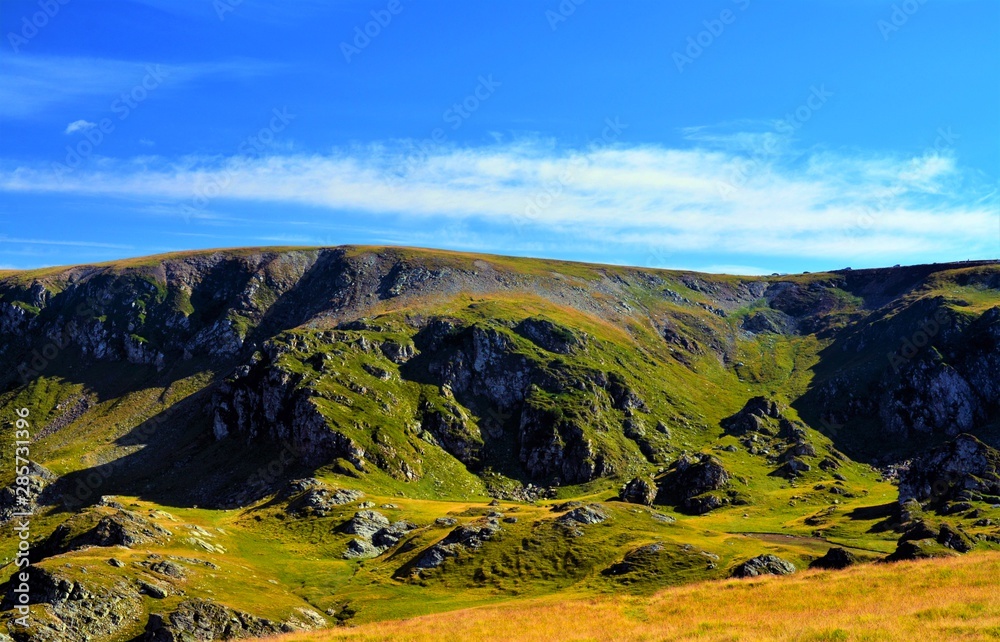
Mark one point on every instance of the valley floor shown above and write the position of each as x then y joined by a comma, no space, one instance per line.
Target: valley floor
954,598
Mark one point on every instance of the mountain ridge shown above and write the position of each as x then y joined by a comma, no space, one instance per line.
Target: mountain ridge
496,426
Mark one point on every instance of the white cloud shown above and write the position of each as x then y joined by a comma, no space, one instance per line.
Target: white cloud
145,142
698,199
79,126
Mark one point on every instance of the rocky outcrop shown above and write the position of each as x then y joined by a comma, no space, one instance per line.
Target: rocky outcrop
549,335
690,482
14,501
263,402
76,609
928,396
469,537
102,527
554,446
836,558
963,469
313,497
764,565
456,432
638,491
590,514
760,416
366,523
205,620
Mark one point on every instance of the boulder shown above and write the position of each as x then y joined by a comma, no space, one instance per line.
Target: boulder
590,514
366,523
690,477
835,558
102,527
753,417
638,491
764,565
954,539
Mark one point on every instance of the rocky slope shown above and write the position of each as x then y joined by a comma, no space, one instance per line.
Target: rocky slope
347,404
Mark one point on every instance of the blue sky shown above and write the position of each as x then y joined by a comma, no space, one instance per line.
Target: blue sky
748,136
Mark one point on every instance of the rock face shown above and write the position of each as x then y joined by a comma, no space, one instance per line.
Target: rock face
205,620
79,610
639,491
764,565
39,477
100,527
690,481
375,534
549,335
929,396
469,537
261,402
937,379
961,470
835,558
315,498
366,523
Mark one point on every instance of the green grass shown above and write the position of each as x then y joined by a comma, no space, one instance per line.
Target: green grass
153,429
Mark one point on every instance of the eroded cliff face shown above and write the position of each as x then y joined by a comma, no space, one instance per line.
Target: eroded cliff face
479,391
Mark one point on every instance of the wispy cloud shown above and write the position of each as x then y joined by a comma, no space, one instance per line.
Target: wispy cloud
32,85
79,126
6,240
698,199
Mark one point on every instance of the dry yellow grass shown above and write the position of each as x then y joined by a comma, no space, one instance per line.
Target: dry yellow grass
942,599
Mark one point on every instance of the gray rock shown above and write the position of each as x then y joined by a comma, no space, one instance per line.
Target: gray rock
590,514
204,620
690,480
639,491
835,558
469,537
360,549
952,472
366,523
764,565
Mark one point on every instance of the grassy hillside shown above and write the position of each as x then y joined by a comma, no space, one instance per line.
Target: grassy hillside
944,599
241,414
